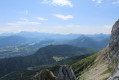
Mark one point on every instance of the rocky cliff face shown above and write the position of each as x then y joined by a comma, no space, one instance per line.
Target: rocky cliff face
114,49
114,41
65,73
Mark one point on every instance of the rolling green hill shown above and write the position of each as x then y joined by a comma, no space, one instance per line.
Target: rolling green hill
30,72
44,56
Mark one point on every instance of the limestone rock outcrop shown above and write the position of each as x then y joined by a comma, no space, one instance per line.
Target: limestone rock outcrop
114,41
114,49
66,73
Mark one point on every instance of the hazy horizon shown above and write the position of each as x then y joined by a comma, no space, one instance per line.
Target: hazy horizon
12,33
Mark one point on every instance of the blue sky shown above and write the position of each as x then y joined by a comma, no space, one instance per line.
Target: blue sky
58,16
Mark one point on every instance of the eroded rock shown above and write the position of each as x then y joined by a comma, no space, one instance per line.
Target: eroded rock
114,40
66,73
114,49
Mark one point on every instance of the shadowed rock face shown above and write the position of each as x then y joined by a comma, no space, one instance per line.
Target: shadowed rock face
114,48
114,41
66,73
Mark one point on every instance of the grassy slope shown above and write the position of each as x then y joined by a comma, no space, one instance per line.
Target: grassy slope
95,67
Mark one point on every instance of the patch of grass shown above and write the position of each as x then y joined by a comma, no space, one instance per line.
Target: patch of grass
47,75
114,61
106,78
83,65
56,58
109,70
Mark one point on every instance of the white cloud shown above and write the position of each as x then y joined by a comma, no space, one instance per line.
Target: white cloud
22,23
58,2
63,16
41,19
116,2
98,1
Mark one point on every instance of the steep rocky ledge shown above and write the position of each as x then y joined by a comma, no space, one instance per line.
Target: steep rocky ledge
65,73
114,50
114,41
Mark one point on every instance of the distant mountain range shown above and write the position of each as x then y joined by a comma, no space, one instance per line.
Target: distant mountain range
85,41
26,43
12,41
23,50
53,36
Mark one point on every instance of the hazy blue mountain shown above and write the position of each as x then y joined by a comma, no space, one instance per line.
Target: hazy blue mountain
23,50
99,37
26,43
41,35
7,34
94,42
12,41
53,35
62,38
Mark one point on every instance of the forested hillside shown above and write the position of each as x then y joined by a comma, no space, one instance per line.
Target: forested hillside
44,56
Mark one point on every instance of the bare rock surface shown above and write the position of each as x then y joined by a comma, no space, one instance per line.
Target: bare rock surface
114,40
114,49
115,76
66,73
